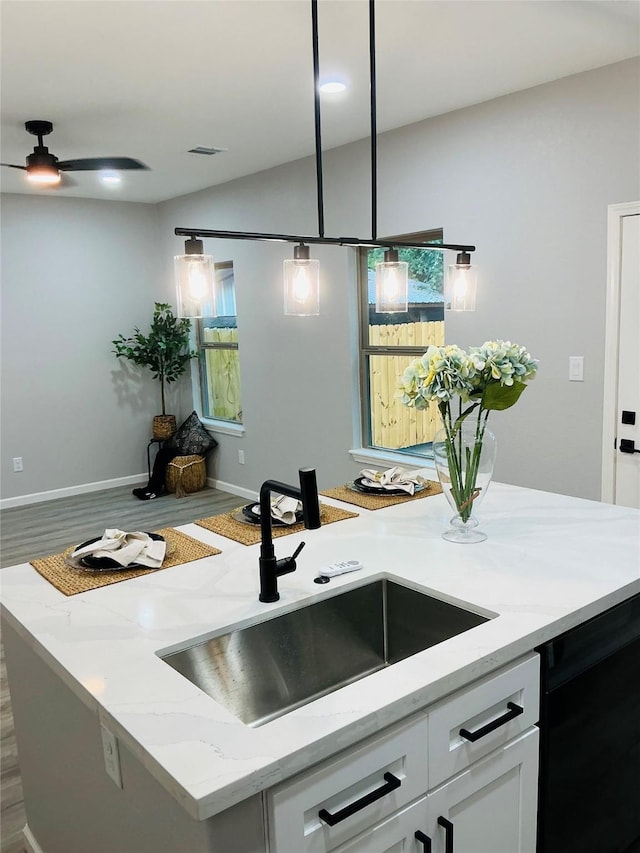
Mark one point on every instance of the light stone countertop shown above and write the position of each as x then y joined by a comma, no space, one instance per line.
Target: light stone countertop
550,563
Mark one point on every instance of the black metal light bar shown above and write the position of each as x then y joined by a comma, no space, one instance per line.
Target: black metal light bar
321,239
328,241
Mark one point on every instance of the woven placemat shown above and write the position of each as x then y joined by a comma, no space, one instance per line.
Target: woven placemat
344,493
249,534
180,547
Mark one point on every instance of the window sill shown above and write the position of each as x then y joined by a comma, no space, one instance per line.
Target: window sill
368,455
223,427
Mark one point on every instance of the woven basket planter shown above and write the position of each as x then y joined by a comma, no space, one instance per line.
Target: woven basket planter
164,426
186,474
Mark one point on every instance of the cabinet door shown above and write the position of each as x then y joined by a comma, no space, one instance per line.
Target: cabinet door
397,834
492,806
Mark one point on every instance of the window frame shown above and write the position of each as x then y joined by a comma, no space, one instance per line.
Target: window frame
199,382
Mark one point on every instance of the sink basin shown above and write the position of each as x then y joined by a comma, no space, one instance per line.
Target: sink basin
266,670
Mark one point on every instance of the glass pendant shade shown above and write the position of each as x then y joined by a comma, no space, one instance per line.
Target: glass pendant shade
392,284
461,283
195,282
301,283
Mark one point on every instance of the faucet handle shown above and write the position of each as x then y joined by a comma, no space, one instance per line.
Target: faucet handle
288,564
297,551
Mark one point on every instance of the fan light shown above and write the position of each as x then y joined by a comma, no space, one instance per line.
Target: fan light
46,175
195,281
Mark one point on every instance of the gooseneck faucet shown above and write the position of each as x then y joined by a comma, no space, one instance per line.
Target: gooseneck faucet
270,568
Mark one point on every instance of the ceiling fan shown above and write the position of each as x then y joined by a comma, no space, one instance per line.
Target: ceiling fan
45,169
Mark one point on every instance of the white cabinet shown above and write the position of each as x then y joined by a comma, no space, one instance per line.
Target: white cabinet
467,770
491,807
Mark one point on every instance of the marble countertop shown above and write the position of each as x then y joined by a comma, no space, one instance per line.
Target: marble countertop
550,562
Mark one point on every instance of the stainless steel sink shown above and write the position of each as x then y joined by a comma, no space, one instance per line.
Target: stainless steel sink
265,670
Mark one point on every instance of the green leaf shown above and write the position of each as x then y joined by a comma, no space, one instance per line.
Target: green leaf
497,398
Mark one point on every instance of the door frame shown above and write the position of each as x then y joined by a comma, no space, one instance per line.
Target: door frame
615,215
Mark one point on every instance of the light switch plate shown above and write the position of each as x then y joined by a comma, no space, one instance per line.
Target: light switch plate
576,368
111,755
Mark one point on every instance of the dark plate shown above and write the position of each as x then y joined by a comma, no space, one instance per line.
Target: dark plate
252,513
378,490
106,563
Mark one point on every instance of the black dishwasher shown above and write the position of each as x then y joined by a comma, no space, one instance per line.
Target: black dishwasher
589,790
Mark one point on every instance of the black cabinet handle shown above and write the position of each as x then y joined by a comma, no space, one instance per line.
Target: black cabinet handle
392,782
514,711
448,834
424,840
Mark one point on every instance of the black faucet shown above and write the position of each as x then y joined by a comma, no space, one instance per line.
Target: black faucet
270,568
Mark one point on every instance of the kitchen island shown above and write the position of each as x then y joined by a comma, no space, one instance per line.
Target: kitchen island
188,766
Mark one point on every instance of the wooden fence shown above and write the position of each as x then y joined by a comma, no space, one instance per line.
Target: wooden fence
394,425
223,376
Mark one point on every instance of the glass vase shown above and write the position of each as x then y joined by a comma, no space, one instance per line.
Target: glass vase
464,461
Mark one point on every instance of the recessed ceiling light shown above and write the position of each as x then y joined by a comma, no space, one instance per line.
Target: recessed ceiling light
110,179
332,87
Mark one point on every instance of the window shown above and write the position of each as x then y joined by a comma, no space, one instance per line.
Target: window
217,339
389,342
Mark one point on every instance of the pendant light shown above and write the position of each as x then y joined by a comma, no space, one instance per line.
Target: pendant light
195,281
392,284
301,272
460,286
301,283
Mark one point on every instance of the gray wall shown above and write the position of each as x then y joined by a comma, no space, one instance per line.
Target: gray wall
75,273
527,178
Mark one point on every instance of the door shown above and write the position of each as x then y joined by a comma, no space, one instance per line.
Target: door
621,426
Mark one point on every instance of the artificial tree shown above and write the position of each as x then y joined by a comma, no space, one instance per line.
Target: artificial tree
165,351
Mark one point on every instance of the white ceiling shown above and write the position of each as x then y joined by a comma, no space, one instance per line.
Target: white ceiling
152,78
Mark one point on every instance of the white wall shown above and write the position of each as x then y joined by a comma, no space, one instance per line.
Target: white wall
527,178
75,273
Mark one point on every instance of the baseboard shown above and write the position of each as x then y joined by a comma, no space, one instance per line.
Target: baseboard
55,494
70,491
29,841
249,494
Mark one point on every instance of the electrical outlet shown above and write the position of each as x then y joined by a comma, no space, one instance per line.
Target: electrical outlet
241,457
17,464
111,755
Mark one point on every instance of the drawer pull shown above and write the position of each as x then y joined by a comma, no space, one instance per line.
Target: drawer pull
424,840
448,834
514,711
392,782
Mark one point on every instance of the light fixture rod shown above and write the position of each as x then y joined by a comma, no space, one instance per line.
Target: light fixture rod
316,111
373,131
328,241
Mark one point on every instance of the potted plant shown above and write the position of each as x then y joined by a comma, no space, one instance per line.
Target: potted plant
165,351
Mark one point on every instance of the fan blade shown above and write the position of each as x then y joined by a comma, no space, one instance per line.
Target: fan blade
12,166
92,164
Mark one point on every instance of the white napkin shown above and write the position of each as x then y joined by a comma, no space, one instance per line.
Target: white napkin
284,508
126,548
392,478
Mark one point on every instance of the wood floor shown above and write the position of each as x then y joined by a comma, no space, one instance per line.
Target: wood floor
48,528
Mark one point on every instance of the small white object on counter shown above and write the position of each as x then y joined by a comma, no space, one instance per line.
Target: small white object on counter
342,568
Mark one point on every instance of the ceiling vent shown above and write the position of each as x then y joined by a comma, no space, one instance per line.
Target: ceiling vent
201,149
